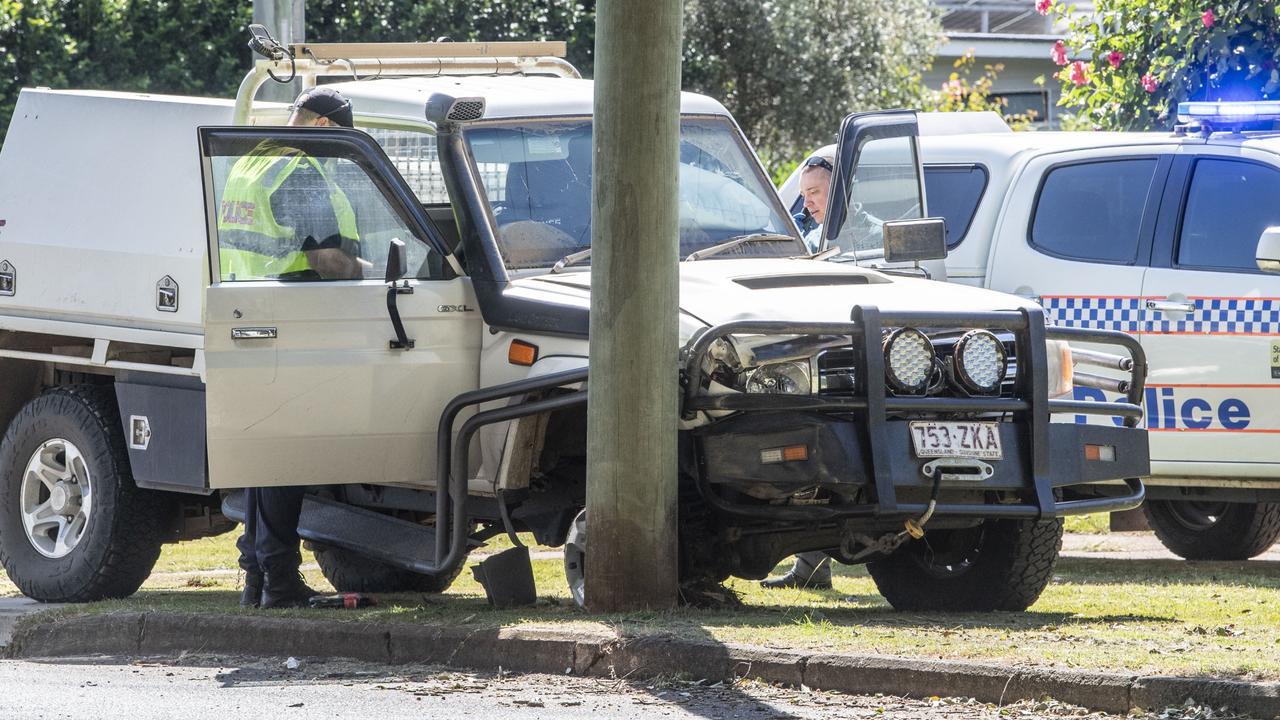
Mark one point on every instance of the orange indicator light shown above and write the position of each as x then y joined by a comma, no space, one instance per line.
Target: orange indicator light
790,453
522,353
795,452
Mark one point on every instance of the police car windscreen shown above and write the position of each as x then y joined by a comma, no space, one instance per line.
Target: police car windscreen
537,179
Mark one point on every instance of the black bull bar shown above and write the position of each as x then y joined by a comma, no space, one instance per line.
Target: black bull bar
1045,455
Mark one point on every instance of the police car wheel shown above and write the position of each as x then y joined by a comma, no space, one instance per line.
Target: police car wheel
349,571
575,559
1198,530
998,565
73,526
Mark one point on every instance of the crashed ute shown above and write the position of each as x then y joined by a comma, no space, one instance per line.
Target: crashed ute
439,400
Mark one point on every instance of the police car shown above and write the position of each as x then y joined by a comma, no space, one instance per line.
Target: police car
1163,235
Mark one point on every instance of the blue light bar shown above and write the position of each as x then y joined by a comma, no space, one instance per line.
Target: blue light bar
1227,113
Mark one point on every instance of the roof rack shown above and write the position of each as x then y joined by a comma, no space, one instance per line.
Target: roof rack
368,61
418,50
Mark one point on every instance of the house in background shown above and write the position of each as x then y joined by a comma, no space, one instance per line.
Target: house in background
1010,32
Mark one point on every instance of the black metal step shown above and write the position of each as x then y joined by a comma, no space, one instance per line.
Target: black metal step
380,537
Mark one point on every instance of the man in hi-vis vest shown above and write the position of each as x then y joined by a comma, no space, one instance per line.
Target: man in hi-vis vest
281,215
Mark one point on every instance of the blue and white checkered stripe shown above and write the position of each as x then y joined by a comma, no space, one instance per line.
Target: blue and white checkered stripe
1212,316
1248,316
1095,313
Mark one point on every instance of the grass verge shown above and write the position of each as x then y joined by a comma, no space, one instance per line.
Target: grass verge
1140,616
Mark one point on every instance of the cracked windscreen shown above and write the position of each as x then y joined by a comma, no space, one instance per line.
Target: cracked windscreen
537,180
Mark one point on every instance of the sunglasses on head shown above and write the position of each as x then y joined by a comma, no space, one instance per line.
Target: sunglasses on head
819,162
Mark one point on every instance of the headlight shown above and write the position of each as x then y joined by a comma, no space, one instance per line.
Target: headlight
980,362
908,361
784,377
1061,368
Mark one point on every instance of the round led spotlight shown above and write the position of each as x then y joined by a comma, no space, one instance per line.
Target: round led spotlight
908,361
779,378
980,362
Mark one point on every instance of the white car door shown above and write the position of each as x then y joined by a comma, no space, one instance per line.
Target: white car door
1212,331
1076,236
304,385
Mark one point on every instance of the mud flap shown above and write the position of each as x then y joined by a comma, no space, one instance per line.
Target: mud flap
507,578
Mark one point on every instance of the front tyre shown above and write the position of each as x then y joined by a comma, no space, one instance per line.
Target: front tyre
73,525
997,565
1198,530
575,559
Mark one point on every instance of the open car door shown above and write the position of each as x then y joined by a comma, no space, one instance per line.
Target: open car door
878,178
308,381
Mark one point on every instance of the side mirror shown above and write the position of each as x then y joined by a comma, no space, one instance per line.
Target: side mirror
1268,253
915,240
396,260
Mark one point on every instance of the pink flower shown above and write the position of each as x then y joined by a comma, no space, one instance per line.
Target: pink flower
1148,83
1042,6
1207,18
1115,57
1079,73
1058,54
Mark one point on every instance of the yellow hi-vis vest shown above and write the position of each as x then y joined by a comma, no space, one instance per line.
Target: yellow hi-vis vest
252,245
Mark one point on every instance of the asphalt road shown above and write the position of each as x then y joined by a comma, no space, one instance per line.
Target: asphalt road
205,688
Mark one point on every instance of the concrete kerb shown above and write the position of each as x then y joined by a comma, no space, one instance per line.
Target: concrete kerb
601,654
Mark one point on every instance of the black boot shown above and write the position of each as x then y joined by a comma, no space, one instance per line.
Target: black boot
812,571
285,590
251,596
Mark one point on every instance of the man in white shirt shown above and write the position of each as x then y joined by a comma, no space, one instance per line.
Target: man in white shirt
815,187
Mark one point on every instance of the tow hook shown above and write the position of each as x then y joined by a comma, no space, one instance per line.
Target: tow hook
949,469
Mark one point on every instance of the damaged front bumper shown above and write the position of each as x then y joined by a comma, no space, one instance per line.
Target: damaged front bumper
857,452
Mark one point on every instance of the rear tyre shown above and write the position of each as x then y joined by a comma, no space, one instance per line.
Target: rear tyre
73,525
998,565
1214,530
349,571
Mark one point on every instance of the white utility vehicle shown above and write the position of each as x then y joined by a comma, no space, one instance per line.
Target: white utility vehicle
1170,237
440,400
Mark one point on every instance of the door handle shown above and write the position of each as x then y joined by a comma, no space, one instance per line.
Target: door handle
1167,306
253,333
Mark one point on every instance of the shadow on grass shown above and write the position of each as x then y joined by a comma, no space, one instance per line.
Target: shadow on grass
1104,571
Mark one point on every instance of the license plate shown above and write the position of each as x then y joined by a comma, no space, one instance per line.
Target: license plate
957,439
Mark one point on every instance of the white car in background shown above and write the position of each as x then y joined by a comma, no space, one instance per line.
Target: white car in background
1163,235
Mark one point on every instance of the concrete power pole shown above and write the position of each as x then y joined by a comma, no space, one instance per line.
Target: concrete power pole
633,391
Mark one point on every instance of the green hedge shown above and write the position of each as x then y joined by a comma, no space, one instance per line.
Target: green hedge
788,74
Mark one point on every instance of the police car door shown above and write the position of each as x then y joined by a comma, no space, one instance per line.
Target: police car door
1076,235
1213,318
304,384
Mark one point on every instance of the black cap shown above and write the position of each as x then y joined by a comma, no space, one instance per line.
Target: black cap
327,103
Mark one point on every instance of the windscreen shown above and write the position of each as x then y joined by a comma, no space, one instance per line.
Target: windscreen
537,180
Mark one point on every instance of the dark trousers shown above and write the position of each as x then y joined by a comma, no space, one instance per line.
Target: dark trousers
270,540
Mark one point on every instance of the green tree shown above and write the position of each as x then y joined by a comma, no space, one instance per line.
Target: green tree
34,50
1129,64
191,47
572,21
790,71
